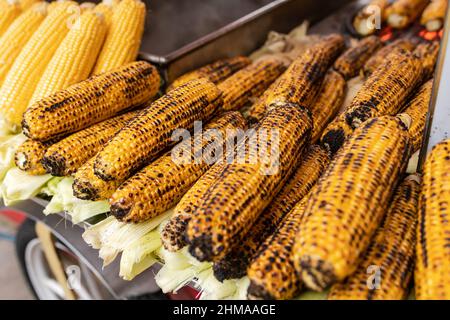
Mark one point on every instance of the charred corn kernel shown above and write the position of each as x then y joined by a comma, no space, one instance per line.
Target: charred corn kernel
335,134
380,57
215,72
350,201
93,100
173,233
391,251
143,139
75,57
30,64
160,185
16,37
10,10
328,102
302,80
417,109
432,273
403,12
124,36
87,186
265,160
312,163
434,15
65,157
272,274
384,92
365,20
428,55
29,155
249,82
26,4
351,61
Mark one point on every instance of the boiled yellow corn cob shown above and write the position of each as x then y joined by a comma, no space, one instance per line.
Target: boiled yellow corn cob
385,91
434,15
29,155
350,201
143,139
106,8
428,55
403,12
75,57
9,11
365,22
216,72
302,80
93,100
173,234
272,273
351,61
87,186
312,163
160,185
336,133
124,36
380,57
327,103
432,273
30,65
249,82
417,109
386,269
17,36
26,4
249,183
65,157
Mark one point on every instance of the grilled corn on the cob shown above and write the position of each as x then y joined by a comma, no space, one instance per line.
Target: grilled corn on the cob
432,273
312,163
390,256
336,133
428,55
144,138
403,12
249,82
350,201
265,161
368,19
160,185
351,61
434,15
29,155
215,72
65,157
124,36
93,100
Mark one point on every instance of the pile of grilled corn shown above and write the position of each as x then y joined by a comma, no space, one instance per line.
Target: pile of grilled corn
336,209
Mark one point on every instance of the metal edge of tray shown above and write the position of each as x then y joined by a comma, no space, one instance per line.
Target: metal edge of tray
438,118
245,34
71,236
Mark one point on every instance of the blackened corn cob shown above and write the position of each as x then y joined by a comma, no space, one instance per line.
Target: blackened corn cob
432,273
380,57
265,160
312,163
173,233
87,186
249,82
434,15
29,155
65,157
403,12
328,102
364,22
215,72
350,201
138,143
385,91
351,61
272,273
428,55
335,134
386,269
160,185
93,100
417,109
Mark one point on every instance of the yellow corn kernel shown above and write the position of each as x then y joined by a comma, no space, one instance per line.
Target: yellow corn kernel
29,155
402,13
10,10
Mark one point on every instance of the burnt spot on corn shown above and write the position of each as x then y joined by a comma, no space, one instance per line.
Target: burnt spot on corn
333,140
54,164
28,156
257,292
